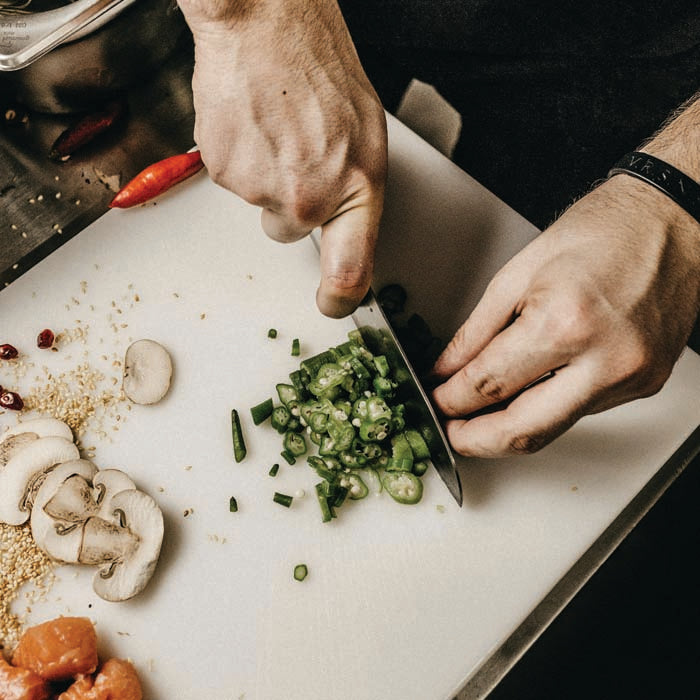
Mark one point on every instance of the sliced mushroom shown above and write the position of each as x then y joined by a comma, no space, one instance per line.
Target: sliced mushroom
148,369
21,473
107,483
138,513
60,539
12,444
73,502
106,542
43,427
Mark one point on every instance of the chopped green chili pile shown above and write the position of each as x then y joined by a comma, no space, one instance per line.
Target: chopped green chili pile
347,403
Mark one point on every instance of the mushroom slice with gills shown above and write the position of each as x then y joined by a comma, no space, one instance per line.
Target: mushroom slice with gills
42,427
148,369
106,542
23,471
138,513
73,502
60,539
106,483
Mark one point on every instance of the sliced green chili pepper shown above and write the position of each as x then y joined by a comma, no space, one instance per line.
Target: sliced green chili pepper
261,412
375,430
382,365
272,333
239,448
322,497
357,489
301,571
280,418
342,433
419,447
288,457
401,454
419,468
274,469
283,499
296,347
318,422
402,486
294,443
287,393
233,505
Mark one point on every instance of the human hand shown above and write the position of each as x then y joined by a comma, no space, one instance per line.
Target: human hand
605,299
287,119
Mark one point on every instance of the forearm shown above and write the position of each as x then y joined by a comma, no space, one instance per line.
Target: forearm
678,141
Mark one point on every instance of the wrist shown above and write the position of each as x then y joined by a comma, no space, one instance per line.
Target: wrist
678,141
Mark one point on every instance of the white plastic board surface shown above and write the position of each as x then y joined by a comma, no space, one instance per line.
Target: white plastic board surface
401,602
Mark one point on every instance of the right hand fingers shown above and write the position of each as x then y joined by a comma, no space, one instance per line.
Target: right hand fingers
531,421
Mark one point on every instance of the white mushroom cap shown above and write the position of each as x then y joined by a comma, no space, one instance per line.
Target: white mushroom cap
107,483
27,465
147,371
62,547
42,427
143,518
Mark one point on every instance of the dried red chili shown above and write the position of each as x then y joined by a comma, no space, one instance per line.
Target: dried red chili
158,178
86,129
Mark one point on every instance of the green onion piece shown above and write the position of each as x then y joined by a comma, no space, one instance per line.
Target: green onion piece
272,333
239,449
283,499
274,469
296,347
233,505
262,411
301,571
288,457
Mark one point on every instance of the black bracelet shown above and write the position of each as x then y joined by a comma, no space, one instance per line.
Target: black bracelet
683,190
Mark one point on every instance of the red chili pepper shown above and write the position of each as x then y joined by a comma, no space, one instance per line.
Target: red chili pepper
86,129
158,178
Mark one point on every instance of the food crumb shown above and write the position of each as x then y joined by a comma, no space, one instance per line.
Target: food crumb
187,511
440,508
188,467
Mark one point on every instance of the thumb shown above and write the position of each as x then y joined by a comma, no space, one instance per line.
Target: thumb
348,241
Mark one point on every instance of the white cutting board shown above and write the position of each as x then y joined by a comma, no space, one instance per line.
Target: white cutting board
401,602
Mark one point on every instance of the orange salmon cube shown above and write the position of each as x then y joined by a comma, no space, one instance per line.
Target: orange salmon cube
21,684
58,650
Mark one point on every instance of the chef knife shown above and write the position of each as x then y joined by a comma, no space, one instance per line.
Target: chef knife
378,333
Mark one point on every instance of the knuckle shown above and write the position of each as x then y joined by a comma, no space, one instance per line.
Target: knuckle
572,325
525,443
485,384
644,371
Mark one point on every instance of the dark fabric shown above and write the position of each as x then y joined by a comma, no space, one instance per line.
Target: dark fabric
551,93
515,27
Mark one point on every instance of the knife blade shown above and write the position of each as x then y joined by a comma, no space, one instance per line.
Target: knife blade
381,339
